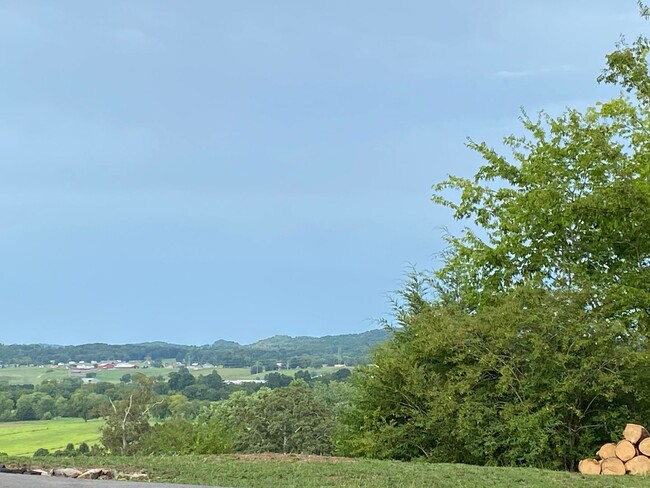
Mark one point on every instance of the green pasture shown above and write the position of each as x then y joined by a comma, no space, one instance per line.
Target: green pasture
30,375
275,471
245,373
34,375
24,438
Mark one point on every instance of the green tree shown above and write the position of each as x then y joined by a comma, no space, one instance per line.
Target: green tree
127,419
43,404
271,366
83,449
181,379
25,408
566,209
286,420
528,345
277,380
341,374
303,375
87,404
212,380
6,407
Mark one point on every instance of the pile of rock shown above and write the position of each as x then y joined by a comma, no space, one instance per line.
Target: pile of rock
628,456
90,474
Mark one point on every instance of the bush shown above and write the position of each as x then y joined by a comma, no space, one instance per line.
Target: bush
97,450
41,452
528,380
285,419
341,374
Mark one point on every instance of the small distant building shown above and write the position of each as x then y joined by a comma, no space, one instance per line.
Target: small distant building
125,366
106,365
242,382
84,366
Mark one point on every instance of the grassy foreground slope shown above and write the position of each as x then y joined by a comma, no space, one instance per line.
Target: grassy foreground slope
24,438
269,471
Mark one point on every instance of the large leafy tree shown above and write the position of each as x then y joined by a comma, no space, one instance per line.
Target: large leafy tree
567,211
288,420
127,419
528,346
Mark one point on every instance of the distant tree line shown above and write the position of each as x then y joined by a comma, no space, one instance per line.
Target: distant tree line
183,414
291,353
179,395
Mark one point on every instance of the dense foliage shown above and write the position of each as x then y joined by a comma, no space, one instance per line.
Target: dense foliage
297,418
528,346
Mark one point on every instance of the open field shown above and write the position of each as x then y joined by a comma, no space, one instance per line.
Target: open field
24,438
244,373
34,375
270,471
30,375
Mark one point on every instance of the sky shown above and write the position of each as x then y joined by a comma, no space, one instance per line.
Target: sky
203,170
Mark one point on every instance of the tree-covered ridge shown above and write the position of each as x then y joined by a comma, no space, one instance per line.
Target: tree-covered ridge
297,351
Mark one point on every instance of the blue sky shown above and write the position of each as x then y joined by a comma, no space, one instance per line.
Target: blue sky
203,170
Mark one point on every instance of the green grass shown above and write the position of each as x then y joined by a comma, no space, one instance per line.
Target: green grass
24,438
313,472
245,373
26,375
30,375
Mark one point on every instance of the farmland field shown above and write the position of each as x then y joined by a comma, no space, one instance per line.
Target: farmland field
23,438
30,375
34,375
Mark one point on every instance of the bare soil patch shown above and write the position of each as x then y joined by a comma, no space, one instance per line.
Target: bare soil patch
304,458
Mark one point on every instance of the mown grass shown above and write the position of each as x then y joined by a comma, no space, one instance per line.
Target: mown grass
24,438
313,472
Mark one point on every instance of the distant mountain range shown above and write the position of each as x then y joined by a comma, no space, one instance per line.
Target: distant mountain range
303,351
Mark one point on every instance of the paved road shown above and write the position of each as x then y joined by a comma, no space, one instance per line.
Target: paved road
27,481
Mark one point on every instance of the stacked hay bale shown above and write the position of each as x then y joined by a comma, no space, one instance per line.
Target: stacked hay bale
631,455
